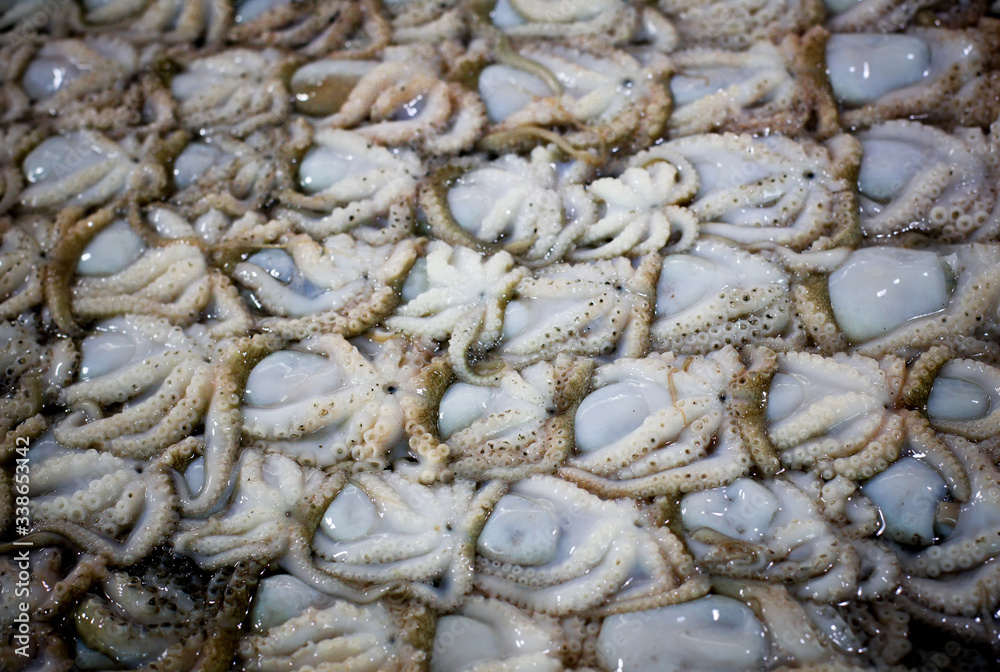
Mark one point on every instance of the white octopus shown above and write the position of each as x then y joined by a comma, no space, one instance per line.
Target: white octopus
768,189
712,633
425,20
520,426
297,628
67,76
638,214
964,399
85,168
835,414
976,528
716,294
274,504
343,285
454,294
763,87
348,183
236,91
493,636
169,20
888,300
322,28
534,208
657,426
884,15
404,100
222,173
607,96
915,176
159,377
117,273
159,619
771,531
384,531
940,74
549,546
108,506
29,372
595,308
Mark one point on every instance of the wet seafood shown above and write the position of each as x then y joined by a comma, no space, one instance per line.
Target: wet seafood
495,335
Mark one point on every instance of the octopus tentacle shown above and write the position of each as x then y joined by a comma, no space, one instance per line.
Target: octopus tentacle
21,274
343,286
113,516
715,295
935,453
222,425
749,401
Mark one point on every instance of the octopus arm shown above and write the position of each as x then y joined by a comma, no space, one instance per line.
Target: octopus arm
144,428
117,520
222,428
20,274
975,536
170,282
